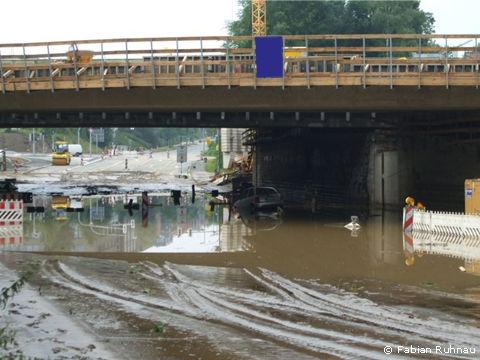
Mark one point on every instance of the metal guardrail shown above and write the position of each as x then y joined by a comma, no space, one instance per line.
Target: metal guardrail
309,60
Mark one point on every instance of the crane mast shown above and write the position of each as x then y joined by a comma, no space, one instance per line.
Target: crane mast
259,17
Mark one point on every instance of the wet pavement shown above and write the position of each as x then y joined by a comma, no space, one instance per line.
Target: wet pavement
192,281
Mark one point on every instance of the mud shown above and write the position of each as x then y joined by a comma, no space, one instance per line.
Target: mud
239,286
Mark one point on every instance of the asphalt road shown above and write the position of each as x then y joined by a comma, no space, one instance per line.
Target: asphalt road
159,163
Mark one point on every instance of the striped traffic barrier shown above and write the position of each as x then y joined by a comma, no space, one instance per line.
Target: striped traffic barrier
81,161
15,165
14,239
126,164
145,209
103,154
408,219
151,153
11,213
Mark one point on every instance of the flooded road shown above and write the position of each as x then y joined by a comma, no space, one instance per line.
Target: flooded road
192,281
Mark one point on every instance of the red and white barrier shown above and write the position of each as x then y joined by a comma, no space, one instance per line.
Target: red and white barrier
151,153
15,165
81,161
408,219
11,213
436,222
11,197
11,235
126,164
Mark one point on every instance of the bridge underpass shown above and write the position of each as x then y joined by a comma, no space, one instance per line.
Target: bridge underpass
345,125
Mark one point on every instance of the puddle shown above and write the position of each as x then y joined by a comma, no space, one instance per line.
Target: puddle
228,285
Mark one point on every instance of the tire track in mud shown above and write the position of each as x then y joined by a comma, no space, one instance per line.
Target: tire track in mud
223,305
341,324
387,318
66,277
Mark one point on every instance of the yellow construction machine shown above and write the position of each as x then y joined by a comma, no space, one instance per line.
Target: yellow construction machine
59,207
244,164
60,155
79,56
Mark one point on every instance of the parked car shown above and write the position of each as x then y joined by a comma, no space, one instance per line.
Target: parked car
255,198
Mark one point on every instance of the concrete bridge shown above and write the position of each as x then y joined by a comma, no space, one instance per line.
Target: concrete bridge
353,119
328,80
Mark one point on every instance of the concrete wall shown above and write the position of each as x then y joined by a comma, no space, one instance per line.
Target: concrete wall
434,174
366,169
232,149
307,164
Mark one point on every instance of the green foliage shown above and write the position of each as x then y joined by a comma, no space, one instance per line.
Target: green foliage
7,337
354,287
9,292
211,165
159,328
335,17
212,149
135,270
146,137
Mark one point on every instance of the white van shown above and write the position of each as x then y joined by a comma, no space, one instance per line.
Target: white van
75,149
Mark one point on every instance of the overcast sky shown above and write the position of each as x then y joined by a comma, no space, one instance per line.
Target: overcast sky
50,20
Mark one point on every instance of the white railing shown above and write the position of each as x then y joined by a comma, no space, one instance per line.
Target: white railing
448,223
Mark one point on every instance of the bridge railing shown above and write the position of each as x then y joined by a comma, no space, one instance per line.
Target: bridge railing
311,60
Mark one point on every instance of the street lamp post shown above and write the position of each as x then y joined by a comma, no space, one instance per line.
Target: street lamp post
90,131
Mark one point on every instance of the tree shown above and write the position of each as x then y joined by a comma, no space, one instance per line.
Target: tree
336,17
387,17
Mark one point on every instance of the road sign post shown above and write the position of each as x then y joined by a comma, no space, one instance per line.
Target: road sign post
90,131
181,156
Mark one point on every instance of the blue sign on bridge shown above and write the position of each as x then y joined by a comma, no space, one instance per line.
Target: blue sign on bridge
269,57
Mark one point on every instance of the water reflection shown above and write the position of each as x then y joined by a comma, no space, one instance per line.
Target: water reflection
291,243
452,246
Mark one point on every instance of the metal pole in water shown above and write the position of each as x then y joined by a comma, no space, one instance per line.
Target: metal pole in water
33,142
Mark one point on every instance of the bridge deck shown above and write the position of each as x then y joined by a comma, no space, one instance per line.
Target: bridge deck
319,60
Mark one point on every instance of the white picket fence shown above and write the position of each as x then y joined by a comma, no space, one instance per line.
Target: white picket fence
448,223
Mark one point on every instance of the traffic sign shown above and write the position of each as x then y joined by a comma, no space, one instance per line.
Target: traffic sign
181,214
182,154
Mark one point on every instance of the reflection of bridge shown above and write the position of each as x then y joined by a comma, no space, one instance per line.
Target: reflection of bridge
221,79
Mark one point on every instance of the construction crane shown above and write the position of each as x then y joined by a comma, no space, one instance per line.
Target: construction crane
259,17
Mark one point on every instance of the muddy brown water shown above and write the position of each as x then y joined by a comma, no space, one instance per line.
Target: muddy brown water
248,286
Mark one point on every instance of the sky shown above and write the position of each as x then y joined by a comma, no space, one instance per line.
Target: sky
52,20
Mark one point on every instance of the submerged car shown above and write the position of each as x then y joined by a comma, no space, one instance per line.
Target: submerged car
256,198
